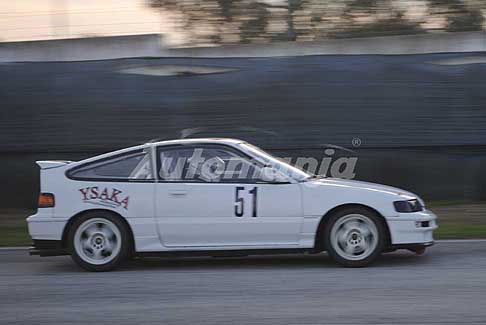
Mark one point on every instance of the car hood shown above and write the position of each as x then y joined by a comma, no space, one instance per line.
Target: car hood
363,185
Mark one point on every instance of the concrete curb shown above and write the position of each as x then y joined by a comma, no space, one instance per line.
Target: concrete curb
83,49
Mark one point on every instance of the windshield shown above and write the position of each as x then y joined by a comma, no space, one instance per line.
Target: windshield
289,170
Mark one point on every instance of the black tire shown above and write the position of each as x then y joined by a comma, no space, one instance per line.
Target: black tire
334,248
114,260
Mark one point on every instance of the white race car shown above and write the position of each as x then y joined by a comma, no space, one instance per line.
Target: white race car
215,197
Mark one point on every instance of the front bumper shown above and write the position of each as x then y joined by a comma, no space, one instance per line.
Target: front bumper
413,229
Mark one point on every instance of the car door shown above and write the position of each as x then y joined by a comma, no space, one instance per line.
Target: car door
207,196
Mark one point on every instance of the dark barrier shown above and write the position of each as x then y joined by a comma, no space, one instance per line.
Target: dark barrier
421,125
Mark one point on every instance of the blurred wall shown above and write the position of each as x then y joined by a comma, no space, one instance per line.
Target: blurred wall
399,45
420,118
154,45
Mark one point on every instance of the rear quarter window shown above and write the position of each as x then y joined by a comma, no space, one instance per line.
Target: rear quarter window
130,166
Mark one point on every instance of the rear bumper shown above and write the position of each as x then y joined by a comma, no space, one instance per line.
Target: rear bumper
46,233
47,248
42,226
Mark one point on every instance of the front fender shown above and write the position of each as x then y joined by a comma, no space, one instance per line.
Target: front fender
320,198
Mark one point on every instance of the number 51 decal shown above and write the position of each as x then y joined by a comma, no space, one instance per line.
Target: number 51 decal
240,202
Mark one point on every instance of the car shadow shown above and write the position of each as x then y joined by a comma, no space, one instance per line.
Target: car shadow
264,262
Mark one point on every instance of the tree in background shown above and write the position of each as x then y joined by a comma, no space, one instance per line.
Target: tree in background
459,15
209,22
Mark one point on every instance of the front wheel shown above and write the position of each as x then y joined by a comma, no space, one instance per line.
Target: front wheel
355,237
98,241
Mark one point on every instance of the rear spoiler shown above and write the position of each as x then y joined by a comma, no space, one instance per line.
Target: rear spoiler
48,164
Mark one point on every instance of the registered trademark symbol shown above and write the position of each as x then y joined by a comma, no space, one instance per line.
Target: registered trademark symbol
356,142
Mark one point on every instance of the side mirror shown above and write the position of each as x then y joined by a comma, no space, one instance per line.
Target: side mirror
271,175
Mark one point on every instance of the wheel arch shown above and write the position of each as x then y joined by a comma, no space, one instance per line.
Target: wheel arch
70,222
319,242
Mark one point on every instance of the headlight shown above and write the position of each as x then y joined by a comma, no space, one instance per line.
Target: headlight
408,206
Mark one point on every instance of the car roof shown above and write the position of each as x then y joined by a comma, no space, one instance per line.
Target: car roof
197,140
160,143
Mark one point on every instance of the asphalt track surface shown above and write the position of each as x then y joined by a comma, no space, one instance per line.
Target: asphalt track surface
447,285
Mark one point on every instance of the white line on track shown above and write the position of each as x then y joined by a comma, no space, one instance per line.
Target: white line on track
16,248
460,241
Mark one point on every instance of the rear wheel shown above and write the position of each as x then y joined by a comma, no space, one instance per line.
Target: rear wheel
355,237
98,241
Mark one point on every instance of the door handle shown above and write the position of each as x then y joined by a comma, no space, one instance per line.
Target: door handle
177,192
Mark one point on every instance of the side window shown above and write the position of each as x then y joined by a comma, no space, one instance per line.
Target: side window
173,163
134,165
206,164
235,167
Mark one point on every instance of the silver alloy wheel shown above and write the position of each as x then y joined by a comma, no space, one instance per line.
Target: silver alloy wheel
354,237
97,241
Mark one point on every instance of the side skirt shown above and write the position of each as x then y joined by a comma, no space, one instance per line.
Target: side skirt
227,253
